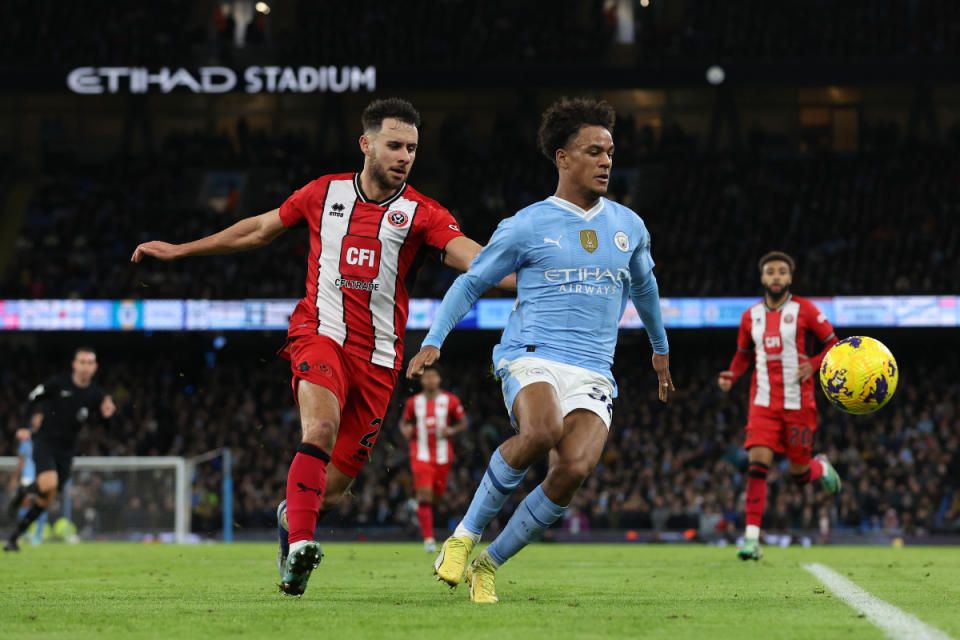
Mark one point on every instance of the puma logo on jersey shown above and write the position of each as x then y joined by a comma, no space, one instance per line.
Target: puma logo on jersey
552,241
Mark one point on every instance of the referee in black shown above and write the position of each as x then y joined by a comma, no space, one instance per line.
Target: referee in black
56,410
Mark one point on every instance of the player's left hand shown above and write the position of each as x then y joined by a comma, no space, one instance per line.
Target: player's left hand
805,370
159,250
661,364
427,356
107,408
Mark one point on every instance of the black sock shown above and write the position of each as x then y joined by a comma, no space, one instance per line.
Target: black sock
18,497
32,514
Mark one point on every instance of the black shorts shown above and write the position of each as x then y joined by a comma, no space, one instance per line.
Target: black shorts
49,457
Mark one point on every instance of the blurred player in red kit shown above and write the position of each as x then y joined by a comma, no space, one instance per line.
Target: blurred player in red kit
430,419
369,233
783,410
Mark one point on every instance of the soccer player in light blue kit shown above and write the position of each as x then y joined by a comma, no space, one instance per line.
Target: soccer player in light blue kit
578,256
23,482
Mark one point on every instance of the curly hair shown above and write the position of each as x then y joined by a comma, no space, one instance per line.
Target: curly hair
564,118
777,255
398,108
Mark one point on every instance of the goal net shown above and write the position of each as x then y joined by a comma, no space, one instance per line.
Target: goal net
136,498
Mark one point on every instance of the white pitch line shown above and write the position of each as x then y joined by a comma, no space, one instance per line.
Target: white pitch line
896,623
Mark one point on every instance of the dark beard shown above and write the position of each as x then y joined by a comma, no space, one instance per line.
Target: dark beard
381,177
777,298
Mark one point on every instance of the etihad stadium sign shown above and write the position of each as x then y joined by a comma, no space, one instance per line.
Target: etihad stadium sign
255,79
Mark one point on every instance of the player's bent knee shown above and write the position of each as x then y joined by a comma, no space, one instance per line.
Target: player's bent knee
321,433
574,472
541,437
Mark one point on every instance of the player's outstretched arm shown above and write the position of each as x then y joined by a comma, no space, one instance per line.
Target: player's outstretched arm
249,233
461,251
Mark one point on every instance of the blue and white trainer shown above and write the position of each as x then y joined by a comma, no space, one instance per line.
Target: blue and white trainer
283,534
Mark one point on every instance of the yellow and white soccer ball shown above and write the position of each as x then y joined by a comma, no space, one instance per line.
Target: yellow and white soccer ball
859,375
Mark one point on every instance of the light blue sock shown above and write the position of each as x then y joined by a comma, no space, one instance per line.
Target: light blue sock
41,523
498,483
533,516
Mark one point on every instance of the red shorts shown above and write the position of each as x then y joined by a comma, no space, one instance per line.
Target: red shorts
363,389
783,430
430,474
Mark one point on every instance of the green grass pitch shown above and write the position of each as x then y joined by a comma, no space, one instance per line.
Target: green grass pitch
367,590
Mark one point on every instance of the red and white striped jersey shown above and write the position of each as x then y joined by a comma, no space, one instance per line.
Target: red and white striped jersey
363,259
778,337
428,416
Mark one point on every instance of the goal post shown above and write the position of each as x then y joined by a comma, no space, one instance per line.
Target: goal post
175,464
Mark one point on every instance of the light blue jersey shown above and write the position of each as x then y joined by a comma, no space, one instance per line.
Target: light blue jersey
575,270
28,474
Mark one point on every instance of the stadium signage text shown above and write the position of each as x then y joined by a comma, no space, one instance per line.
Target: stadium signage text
256,79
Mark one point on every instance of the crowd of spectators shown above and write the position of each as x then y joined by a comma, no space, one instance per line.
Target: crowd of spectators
878,222
669,467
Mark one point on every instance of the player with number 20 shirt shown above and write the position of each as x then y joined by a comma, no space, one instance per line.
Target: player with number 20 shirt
783,410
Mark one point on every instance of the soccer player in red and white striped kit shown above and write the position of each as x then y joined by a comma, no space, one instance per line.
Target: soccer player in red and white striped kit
783,409
369,233
430,419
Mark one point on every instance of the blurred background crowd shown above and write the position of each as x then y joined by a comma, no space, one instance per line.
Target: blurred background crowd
671,467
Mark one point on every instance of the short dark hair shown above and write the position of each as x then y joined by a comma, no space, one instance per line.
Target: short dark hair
564,118
84,349
373,116
433,367
777,255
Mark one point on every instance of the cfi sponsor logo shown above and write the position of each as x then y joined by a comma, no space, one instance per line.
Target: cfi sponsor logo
397,218
622,241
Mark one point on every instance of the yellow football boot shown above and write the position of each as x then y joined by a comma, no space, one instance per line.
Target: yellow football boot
452,561
482,576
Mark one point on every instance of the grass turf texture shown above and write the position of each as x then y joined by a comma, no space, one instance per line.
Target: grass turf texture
367,590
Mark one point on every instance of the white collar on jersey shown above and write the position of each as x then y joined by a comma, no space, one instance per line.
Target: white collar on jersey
779,306
361,196
587,215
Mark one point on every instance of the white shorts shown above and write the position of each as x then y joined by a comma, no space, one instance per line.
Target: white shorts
577,388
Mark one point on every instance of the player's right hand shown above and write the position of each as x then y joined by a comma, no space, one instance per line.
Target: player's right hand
157,249
427,356
725,380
